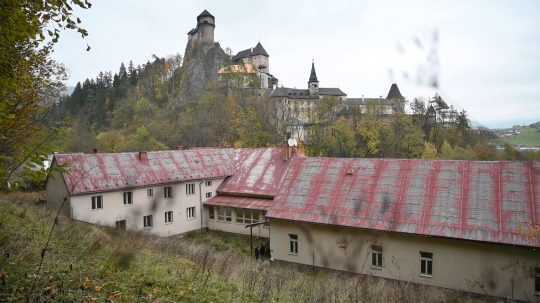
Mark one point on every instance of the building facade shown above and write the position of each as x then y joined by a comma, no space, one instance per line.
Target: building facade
465,225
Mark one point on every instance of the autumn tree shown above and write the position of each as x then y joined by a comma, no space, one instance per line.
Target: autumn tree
29,78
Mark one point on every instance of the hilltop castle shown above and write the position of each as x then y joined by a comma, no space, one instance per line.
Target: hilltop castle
250,68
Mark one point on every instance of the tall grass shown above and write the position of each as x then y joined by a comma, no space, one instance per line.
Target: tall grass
85,263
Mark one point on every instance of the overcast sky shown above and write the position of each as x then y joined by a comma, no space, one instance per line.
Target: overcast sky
484,54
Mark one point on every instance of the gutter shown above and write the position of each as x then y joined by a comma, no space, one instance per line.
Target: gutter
200,204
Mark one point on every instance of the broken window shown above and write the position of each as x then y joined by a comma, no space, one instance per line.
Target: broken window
293,244
376,256
426,264
97,202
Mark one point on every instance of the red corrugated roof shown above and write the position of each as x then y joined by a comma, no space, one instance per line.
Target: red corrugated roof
483,201
258,172
240,202
87,173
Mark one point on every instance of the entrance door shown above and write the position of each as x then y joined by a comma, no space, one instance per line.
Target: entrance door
121,225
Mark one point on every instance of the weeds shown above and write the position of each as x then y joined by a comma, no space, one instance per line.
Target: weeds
86,263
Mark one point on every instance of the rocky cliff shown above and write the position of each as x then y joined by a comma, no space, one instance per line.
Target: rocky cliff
199,69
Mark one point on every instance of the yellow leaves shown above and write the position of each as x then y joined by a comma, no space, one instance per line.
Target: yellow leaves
87,284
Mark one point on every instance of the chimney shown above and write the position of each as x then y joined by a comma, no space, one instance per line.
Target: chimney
143,156
290,148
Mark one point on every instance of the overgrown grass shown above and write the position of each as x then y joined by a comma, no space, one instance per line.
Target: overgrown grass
85,263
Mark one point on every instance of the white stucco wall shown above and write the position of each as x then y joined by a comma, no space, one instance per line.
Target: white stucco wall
115,210
498,270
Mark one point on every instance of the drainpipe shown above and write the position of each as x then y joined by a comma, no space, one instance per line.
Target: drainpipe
200,204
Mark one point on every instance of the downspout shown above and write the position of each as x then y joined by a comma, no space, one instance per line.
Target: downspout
200,204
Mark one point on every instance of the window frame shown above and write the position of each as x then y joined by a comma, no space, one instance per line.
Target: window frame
148,221
209,194
293,244
167,192
128,198
191,213
377,257
208,183
150,192
426,264
190,189
97,202
169,217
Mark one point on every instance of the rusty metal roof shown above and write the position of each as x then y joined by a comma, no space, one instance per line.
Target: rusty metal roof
257,173
87,173
240,202
482,201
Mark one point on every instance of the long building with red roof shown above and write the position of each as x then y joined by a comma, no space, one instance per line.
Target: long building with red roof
467,225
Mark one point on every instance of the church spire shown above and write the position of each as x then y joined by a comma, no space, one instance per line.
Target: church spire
313,75
313,83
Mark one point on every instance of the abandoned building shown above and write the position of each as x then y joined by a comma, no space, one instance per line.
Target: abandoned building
466,225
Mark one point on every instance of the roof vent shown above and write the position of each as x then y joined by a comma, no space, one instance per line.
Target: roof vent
143,156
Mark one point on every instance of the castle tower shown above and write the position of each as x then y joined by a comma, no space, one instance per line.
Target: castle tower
313,83
204,32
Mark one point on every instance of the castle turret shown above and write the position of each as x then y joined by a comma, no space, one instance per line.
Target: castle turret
313,83
204,32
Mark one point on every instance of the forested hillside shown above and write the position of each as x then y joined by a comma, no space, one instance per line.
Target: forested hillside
141,108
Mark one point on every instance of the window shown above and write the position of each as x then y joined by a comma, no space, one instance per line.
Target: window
293,244
209,183
376,257
247,216
97,202
191,212
426,264
167,192
147,221
211,215
209,194
190,189
224,214
128,198
537,281
168,217
150,192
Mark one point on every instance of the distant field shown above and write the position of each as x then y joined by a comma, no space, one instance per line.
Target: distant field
528,137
